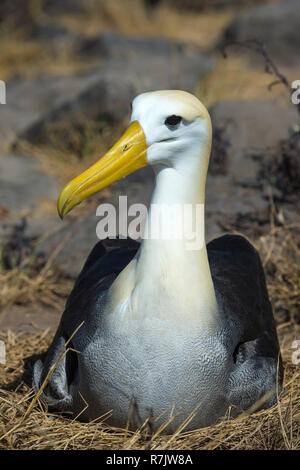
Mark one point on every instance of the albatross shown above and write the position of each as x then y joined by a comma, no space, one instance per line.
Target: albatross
167,333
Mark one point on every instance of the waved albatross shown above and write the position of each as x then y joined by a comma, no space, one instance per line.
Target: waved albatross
168,332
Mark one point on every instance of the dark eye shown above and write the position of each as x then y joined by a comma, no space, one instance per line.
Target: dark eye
173,120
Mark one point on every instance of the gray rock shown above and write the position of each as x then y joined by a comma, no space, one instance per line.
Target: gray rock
251,131
50,32
56,37
31,104
35,229
74,242
130,67
199,5
251,128
42,227
23,184
113,46
277,25
227,201
57,6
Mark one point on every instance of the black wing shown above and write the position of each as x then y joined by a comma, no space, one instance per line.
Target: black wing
240,286
106,260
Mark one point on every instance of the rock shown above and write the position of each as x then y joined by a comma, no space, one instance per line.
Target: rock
130,66
31,104
145,50
229,204
23,184
17,13
277,25
246,134
75,241
42,227
56,36
199,5
54,7
57,40
250,128
27,195
36,228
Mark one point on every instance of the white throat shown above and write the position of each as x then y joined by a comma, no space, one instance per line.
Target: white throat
179,266
167,272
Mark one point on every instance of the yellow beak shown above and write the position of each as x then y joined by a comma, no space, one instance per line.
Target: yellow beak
125,157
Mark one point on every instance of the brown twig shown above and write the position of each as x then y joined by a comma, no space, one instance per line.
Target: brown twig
270,67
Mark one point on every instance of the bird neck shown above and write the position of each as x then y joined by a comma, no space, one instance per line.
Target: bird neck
173,256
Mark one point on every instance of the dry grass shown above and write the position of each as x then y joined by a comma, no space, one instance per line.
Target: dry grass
31,283
237,78
275,428
19,286
201,28
18,57
25,57
22,55
281,260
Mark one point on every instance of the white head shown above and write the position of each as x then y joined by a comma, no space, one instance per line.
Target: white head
169,128
177,128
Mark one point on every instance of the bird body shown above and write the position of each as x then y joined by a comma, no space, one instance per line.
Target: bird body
170,333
